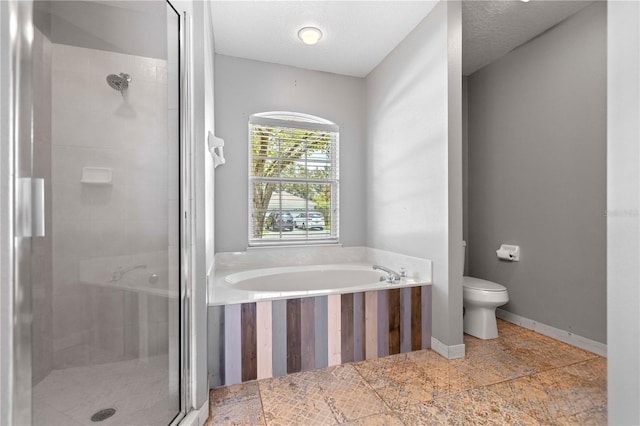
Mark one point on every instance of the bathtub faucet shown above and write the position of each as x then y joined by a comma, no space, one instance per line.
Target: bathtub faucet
392,276
119,274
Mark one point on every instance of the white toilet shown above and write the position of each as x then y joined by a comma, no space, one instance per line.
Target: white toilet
480,299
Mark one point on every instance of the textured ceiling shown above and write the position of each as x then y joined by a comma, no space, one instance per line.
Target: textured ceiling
490,29
358,35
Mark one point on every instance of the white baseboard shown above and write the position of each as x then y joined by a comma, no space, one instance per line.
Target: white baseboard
555,333
196,417
449,352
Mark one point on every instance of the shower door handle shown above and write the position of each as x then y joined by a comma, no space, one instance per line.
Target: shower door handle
30,207
37,206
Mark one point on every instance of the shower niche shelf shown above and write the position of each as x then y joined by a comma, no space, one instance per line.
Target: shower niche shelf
96,176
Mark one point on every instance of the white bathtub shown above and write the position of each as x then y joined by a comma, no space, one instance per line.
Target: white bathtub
304,278
300,281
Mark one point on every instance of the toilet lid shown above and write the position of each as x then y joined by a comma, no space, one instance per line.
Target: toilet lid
479,284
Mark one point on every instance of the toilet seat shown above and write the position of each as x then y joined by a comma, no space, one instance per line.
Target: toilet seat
472,283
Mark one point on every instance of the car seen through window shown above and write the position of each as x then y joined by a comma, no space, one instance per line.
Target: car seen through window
311,220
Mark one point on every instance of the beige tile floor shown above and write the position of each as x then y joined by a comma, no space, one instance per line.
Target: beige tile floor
520,378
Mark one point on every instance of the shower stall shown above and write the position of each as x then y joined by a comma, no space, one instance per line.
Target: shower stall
99,315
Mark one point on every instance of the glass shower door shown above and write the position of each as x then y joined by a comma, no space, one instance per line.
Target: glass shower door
105,277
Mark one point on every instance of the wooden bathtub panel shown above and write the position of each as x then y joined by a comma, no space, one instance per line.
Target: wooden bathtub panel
334,329
405,319
358,326
346,322
272,338
294,342
371,324
307,334
249,337
264,325
321,333
232,347
394,321
279,333
416,318
383,323
215,345
426,317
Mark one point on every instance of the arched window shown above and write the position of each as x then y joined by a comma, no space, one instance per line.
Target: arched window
293,179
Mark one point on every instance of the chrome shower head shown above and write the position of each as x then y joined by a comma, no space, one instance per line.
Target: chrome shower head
119,82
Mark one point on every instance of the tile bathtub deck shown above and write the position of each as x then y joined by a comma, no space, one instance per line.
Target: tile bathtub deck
520,378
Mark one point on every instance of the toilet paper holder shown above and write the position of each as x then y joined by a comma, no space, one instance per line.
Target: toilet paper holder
509,252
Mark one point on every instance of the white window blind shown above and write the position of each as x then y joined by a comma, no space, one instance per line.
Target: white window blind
293,179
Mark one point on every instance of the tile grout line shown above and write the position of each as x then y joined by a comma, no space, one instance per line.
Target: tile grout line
264,415
379,396
553,398
488,385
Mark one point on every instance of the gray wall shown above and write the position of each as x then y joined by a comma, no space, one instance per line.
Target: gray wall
244,87
537,174
413,185
623,206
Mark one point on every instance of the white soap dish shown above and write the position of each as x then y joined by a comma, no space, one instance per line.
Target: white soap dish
97,175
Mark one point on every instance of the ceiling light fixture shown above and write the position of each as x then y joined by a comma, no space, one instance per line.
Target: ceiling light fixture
524,1
310,35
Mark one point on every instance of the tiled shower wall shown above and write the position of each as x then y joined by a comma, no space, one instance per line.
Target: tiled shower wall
108,226
41,290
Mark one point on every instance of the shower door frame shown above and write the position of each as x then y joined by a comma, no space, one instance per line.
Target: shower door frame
184,254
17,217
15,229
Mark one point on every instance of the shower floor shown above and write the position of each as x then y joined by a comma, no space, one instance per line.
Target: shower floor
137,389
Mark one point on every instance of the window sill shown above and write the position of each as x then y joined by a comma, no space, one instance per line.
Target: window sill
289,244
